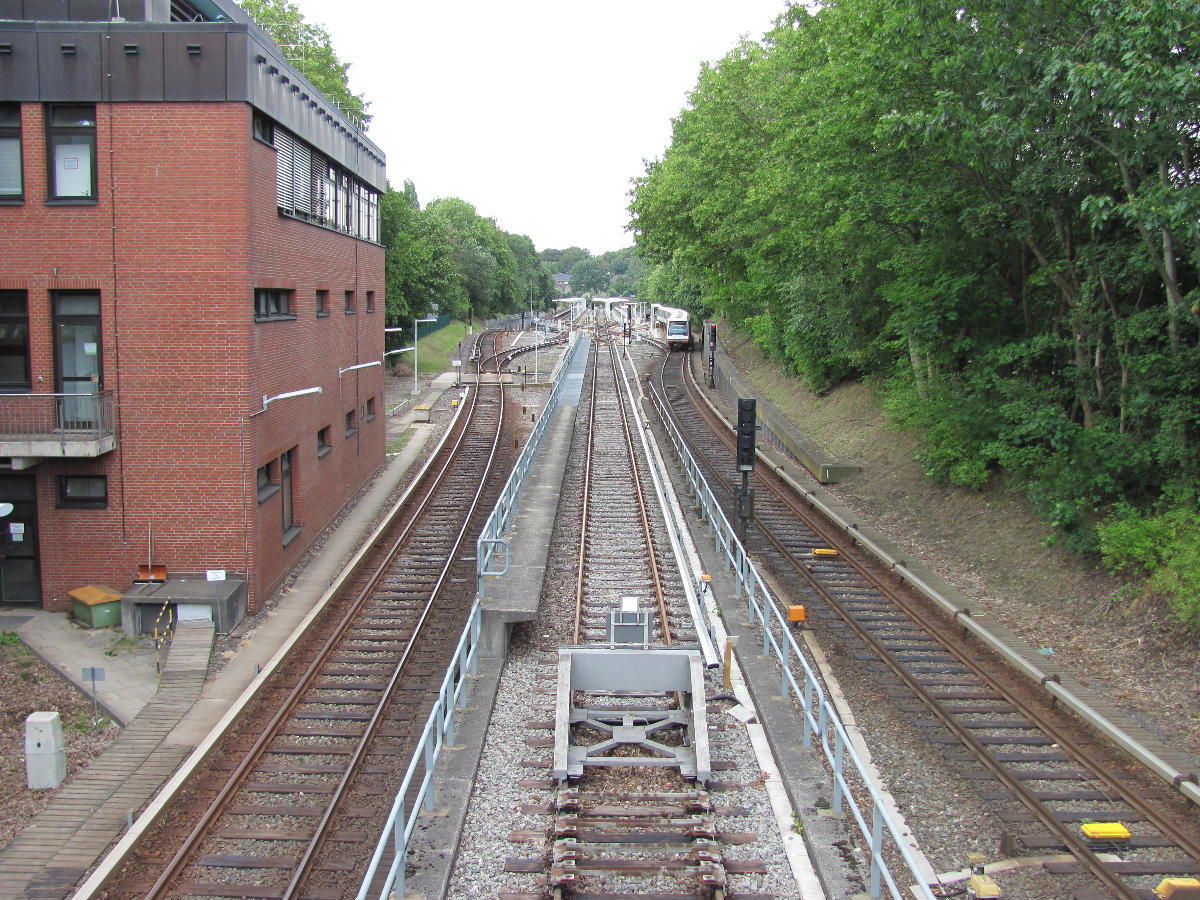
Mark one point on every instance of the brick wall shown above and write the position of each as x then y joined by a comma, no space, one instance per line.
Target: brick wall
185,228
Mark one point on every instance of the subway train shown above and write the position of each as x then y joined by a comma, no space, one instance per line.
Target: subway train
672,326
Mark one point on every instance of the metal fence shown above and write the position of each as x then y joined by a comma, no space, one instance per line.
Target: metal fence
55,416
439,729
438,733
798,679
491,539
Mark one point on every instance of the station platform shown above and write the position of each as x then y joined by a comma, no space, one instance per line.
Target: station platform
514,597
165,719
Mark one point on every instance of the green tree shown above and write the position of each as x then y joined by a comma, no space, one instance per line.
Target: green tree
309,49
486,265
563,260
588,276
419,260
532,275
990,209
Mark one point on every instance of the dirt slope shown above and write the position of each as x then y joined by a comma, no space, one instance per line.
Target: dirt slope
993,547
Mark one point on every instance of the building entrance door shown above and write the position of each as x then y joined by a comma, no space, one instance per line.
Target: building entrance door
77,358
20,572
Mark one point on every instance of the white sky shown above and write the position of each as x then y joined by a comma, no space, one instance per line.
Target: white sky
537,112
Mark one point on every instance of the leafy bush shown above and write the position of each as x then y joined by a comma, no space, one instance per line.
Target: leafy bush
1178,582
1165,547
954,431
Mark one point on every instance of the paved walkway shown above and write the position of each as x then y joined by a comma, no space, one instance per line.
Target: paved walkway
69,835
165,719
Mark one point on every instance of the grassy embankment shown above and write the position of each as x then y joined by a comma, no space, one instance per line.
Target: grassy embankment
433,357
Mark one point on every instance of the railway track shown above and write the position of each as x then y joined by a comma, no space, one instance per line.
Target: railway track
628,825
295,793
1044,775
617,555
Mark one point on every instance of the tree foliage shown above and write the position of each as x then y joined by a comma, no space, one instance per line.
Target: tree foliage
562,261
992,208
309,49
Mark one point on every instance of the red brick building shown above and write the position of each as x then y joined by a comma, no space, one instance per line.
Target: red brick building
191,299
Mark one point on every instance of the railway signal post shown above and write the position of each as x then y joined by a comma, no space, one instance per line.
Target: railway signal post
712,353
746,427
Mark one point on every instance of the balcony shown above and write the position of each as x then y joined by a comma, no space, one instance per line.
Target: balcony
34,427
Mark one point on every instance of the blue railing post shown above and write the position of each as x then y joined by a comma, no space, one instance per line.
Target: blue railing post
839,752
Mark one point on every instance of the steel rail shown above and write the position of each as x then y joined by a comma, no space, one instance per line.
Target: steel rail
835,538
190,844
819,715
640,494
1185,781
317,841
933,626
587,483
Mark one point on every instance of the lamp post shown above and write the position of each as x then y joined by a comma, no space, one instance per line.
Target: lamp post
416,324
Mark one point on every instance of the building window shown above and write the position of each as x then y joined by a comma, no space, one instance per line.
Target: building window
290,529
323,445
370,409
310,186
263,129
12,185
351,424
370,301
272,303
267,487
14,342
322,303
349,303
82,492
71,152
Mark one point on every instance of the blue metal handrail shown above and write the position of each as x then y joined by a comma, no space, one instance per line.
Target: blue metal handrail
492,536
820,716
438,733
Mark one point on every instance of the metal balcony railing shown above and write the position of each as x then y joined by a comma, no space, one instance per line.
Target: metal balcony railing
57,418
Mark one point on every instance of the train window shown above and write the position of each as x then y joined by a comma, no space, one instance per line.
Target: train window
71,152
